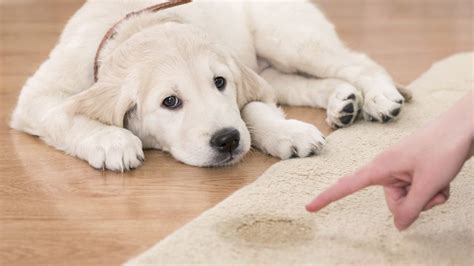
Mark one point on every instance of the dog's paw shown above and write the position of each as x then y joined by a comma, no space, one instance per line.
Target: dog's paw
382,105
344,106
115,149
292,138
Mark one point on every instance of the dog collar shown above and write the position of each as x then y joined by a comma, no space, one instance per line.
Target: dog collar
112,31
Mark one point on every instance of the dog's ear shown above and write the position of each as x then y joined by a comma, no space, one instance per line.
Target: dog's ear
251,87
104,102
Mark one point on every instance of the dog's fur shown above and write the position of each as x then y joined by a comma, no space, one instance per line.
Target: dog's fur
177,52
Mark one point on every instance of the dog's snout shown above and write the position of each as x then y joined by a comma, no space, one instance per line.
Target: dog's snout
226,140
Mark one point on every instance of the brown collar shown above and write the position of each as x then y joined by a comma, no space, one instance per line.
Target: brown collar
112,31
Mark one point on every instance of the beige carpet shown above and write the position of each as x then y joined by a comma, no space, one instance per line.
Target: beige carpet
265,222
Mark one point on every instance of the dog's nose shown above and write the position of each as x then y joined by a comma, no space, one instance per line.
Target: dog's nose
226,140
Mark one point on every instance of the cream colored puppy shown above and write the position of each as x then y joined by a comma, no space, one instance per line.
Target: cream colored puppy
184,80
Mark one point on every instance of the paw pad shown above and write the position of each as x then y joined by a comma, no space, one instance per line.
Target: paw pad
351,97
386,118
349,108
346,119
395,112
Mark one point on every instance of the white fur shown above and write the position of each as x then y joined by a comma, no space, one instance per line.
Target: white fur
178,52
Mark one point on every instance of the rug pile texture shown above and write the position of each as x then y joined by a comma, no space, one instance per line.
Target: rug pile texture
266,223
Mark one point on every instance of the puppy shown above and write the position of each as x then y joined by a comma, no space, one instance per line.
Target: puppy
200,81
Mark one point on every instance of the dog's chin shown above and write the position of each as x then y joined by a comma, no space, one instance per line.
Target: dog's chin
214,159
224,160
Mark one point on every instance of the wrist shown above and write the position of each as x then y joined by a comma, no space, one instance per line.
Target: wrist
457,125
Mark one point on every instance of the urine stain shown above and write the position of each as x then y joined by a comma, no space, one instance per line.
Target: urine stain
267,231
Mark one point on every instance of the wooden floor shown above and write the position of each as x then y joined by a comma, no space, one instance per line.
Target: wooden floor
56,210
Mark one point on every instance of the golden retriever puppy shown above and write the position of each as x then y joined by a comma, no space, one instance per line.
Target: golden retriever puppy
200,81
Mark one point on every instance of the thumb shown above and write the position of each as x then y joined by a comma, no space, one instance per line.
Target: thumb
410,208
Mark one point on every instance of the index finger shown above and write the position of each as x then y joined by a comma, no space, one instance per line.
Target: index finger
345,186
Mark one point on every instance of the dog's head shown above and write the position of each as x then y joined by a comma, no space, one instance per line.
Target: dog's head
179,92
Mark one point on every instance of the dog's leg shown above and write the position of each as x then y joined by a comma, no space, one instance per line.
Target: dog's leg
341,100
280,137
42,110
296,37
102,146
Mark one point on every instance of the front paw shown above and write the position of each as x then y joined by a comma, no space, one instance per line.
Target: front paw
382,105
113,148
291,138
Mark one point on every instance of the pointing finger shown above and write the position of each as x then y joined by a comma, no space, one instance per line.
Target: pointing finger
345,186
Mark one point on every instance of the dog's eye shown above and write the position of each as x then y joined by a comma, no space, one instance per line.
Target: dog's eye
220,83
172,102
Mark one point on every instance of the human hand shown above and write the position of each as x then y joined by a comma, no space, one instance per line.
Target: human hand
416,172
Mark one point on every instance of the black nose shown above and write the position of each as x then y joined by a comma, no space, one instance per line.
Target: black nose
226,140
